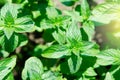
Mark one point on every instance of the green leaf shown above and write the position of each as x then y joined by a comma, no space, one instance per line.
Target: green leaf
9,45
8,19
9,76
12,43
6,66
8,32
106,12
49,75
87,62
12,8
1,24
74,63
38,50
84,46
61,21
73,33
109,76
52,12
59,36
68,2
4,53
88,27
91,52
90,72
87,46
24,24
46,24
33,69
22,40
88,78
85,11
114,72
75,16
109,57
56,51
49,37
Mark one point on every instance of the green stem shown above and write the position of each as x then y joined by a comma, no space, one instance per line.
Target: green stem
115,70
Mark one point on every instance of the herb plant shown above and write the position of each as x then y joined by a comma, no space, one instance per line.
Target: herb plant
67,52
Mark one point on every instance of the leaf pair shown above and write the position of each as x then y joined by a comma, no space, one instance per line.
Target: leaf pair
68,2
16,40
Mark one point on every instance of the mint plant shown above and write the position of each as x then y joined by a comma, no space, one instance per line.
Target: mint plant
40,41
11,25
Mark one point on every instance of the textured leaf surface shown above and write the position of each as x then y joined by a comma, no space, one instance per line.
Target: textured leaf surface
24,24
15,41
109,76
49,75
33,69
74,63
56,51
73,33
106,12
6,66
109,57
